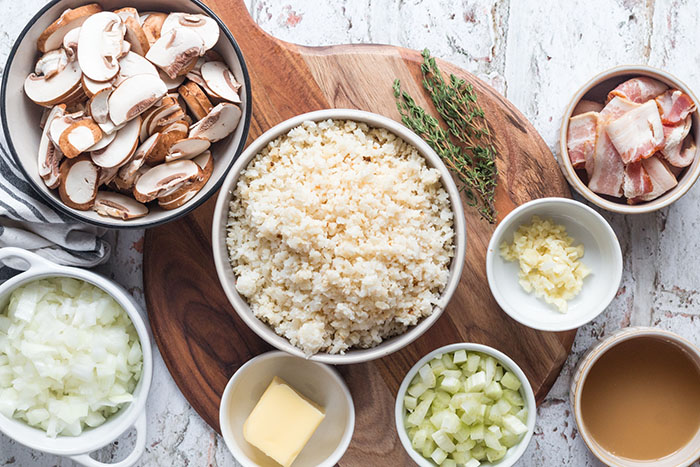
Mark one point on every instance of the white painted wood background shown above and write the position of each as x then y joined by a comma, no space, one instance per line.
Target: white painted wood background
537,53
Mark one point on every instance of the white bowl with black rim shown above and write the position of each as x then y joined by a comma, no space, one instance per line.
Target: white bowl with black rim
227,277
21,116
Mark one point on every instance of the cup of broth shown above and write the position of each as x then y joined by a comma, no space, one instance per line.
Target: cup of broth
636,399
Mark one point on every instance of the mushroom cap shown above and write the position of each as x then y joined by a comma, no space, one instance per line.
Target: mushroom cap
134,96
218,124
79,137
59,124
187,149
175,51
51,63
112,204
135,35
118,152
100,45
165,178
221,81
195,99
51,91
52,37
151,23
78,185
203,25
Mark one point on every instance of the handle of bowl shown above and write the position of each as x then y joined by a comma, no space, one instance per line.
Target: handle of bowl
131,459
32,259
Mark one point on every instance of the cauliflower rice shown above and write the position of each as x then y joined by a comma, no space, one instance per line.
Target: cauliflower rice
340,236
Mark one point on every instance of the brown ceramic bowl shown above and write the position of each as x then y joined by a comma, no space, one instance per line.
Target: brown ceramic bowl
596,89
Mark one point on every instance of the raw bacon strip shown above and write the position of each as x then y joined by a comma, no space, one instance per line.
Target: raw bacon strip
637,134
637,181
585,106
673,143
605,168
616,108
638,90
674,106
580,140
661,178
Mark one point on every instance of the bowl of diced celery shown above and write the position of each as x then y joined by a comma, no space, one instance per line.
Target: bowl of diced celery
465,405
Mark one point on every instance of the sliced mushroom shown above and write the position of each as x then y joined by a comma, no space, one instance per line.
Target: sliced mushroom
196,100
70,43
129,171
157,110
118,206
92,87
109,127
78,186
203,25
187,191
152,24
51,63
52,37
59,124
104,142
118,152
98,106
107,175
171,84
164,178
164,117
206,162
79,137
134,96
133,64
212,55
175,51
127,12
136,36
100,45
126,48
187,149
221,81
218,124
49,92
75,100
172,122
169,136
49,154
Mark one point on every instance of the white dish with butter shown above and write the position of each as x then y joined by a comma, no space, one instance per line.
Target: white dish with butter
602,255
319,383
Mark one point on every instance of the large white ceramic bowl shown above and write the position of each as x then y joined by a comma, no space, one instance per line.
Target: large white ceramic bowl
318,382
228,279
596,89
79,447
602,255
514,453
20,116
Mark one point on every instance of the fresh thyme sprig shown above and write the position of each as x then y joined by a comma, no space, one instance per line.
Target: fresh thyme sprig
466,146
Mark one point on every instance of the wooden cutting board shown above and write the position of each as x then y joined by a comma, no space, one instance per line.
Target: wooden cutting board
201,338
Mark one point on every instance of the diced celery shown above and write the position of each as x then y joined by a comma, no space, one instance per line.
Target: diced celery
472,463
473,361
496,430
491,441
437,417
459,356
510,381
477,432
493,390
512,423
442,400
438,455
499,409
443,441
451,384
447,361
450,423
428,448
472,411
416,390
448,463
476,382
458,399
427,376
509,439
494,455
478,452
461,457
410,402
499,373
522,415
489,369
452,374
513,397
418,415
418,439
465,446
437,366
462,434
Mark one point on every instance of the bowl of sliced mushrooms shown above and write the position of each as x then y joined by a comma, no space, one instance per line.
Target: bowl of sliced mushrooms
125,114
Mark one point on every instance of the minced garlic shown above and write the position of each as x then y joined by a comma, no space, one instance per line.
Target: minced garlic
549,263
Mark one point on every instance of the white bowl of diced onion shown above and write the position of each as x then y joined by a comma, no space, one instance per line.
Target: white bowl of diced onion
502,387
133,414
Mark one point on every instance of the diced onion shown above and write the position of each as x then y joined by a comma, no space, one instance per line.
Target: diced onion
468,410
70,356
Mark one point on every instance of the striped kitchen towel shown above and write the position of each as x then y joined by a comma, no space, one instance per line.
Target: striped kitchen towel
26,221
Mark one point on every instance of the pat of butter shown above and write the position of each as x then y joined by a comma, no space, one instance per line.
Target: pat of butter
282,422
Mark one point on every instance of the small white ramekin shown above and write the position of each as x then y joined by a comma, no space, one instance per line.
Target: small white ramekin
514,453
79,447
681,458
228,279
602,254
320,383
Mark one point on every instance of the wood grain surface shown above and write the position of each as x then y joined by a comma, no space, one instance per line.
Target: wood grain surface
201,338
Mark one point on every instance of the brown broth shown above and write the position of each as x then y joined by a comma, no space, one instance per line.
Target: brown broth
641,399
